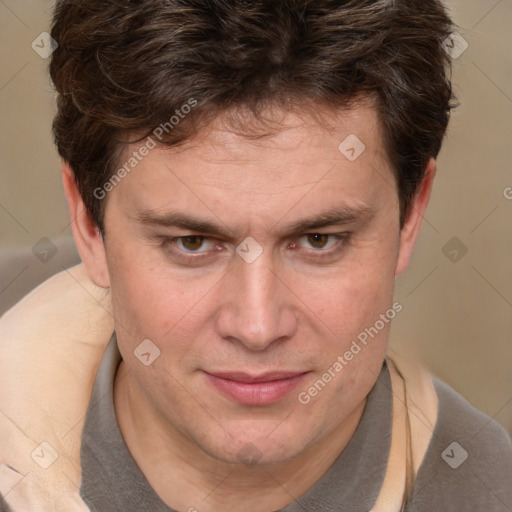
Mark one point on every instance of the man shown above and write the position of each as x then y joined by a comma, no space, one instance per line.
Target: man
246,179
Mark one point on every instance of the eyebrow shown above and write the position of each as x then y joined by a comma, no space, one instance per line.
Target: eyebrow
334,216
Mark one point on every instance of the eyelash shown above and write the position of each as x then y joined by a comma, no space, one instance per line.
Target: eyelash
170,243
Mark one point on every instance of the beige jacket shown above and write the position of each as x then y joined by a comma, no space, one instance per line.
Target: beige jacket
51,344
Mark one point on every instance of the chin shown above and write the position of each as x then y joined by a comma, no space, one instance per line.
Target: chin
255,449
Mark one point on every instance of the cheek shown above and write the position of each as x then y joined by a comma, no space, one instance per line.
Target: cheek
352,297
140,294
150,301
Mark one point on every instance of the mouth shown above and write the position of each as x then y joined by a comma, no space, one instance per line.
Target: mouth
263,389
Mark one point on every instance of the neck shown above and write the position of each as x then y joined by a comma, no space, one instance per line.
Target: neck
205,483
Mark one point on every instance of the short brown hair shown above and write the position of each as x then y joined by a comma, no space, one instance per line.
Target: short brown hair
126,66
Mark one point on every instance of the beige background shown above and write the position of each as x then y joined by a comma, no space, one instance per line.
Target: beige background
457,314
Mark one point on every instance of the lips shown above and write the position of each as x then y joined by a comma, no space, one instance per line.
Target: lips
262,389
249,379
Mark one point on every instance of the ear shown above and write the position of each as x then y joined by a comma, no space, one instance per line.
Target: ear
87,235
410,230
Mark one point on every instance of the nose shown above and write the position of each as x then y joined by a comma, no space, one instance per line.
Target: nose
256,307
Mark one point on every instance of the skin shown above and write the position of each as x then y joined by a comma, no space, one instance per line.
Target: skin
287,310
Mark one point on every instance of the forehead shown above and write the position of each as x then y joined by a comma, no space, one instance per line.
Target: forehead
333,159
238,136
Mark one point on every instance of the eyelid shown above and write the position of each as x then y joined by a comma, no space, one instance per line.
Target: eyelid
321,255
337,236
317,254
173,240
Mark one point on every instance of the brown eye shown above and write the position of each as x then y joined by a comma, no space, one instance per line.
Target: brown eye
192,243
317,240
191,250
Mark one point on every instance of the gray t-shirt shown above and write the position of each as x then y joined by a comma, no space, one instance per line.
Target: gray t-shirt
447,480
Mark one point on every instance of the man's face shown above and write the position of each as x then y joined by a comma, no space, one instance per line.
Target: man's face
246,327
